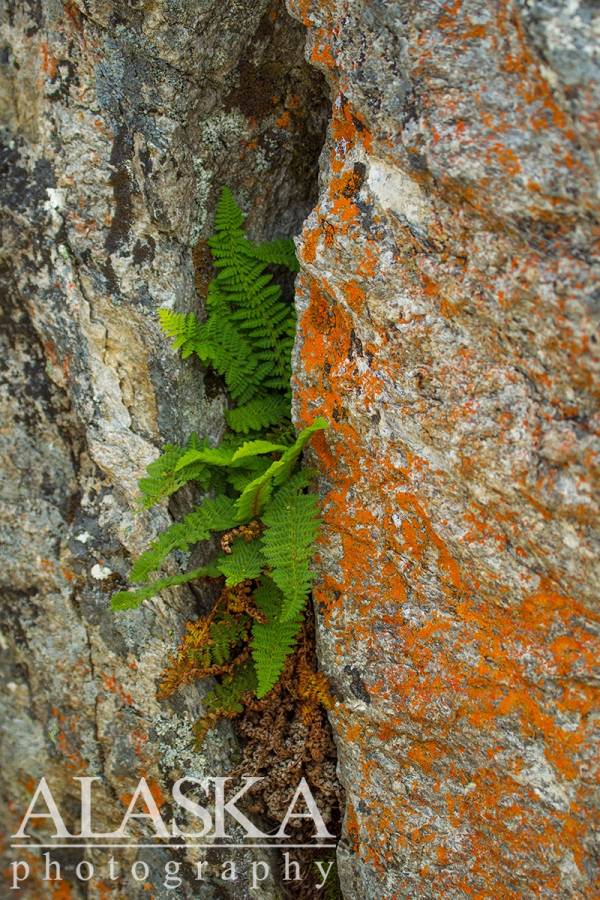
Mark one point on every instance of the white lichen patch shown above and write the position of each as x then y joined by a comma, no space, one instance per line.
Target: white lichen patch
100,572
395,191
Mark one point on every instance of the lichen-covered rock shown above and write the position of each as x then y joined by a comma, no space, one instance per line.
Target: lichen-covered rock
120,123
446,331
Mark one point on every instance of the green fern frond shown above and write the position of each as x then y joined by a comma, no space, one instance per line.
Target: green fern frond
218,341
229,455
258,414
221,344
225,633
239,479
284,466
292,523
211,515
256,494
273,640
248,335
280,252
208,456
226,697
184,329
132,599
245,561
255,448
228,216
163,477
256,306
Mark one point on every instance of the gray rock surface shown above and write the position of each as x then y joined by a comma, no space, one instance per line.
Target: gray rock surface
447,296
121,121
446,302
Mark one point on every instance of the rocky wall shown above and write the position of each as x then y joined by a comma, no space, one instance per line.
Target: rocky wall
120,122
446,331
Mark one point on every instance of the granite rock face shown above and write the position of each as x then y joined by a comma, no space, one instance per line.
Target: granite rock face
121,121
446,330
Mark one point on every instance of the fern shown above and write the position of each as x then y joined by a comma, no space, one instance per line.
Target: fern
223,346
239,479
132,599
254,493
254,496
284,467
208,456
259,414
292,523
248,334
256,448
272,640
225,634
245,562
163,477
184,328
280,252
226,697
211,515
256,306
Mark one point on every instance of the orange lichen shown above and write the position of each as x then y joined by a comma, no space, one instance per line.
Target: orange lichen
424,754
349,127
310,242
321,53
61,890
111,684
368,263
49,62
284,120
355,295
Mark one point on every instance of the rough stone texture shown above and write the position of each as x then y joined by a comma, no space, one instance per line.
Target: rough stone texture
120,122
446,331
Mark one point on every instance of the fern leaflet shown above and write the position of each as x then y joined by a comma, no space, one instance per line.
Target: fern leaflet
183,328
292,523
280,252
211,515
259,414
273,640
132,599
244,562
163,477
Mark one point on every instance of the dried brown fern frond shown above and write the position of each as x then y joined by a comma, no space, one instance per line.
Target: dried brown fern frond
215,644
247,532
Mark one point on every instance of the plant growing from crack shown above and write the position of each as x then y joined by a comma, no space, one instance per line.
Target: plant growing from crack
254,485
